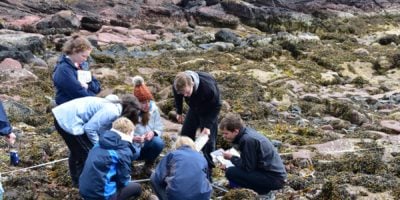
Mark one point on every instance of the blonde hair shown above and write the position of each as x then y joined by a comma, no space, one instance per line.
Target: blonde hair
123,125
184,140
181,81
76,44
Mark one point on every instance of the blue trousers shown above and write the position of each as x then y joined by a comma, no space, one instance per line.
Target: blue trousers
151,149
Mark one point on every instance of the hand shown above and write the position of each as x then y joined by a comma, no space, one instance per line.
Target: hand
205,131
10,138
138,139
227,155
149,136
85,85
222,166
179,118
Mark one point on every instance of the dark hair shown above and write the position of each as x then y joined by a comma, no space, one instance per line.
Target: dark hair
76,44
130,107
230,122
145,117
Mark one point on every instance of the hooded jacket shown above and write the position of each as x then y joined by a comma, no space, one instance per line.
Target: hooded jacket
205,99
183,173
65,79
5,127
108,167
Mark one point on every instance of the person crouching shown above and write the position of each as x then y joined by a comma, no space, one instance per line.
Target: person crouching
107,170
182,174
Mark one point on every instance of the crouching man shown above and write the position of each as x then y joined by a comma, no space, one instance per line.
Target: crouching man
259,166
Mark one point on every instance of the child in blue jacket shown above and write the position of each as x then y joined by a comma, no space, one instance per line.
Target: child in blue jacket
107,170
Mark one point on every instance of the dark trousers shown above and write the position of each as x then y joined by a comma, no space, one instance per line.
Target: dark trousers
190,125
261,182
129,191
79,146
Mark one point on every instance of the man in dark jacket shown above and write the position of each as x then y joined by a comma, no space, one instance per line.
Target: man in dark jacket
107,170
201,93
5,127
259,166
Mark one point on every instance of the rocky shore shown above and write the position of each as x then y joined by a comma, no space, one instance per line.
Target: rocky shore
320,78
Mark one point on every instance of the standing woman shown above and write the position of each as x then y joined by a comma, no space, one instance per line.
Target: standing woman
81,122
65,76
150,128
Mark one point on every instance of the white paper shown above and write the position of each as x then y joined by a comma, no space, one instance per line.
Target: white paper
218,157
84,76
201,141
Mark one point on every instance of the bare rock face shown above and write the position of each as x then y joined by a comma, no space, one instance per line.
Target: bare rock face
215,16
62,22
19,45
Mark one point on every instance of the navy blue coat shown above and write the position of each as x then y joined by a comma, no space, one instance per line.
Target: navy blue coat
65,79
257,153
107,168
183,173
5,127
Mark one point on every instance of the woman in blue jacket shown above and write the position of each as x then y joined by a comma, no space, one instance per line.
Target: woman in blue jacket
182,174
107,170
149,128
65,76
81,121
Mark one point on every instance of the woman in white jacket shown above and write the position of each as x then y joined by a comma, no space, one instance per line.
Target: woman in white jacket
150,127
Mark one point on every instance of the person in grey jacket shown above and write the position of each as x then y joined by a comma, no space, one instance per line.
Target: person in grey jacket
81,121
149,128
259,166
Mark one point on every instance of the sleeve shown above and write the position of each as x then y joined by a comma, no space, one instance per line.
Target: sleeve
248,156
5,126
94,86
162,170
65,80
123,172
210,116
102,120
178,101
157,126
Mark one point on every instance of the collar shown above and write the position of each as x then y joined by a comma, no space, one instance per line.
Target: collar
239,135
195,78
124,136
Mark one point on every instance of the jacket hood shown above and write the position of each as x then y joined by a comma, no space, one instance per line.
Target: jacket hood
112,140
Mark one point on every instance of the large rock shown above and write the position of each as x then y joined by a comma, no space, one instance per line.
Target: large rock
65,21
391,126
19,45
226,35
215,16
91,23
